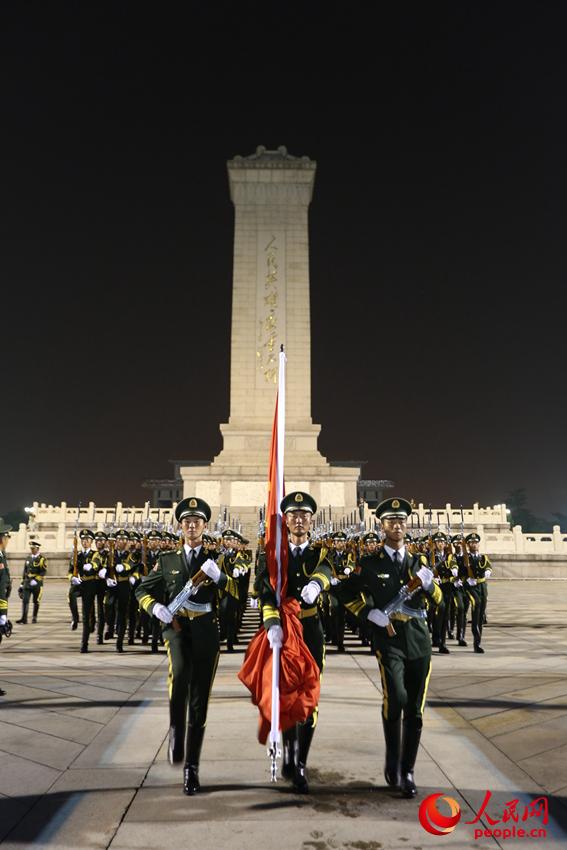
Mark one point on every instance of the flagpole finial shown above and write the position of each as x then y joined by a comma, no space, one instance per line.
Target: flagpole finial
281,347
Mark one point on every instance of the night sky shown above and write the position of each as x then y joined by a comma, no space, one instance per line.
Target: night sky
437,240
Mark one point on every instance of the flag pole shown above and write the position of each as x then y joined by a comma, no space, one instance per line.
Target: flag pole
274,750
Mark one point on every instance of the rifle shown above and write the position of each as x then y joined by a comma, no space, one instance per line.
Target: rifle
76,543
431,546
261,529
398,603
466,559
184,595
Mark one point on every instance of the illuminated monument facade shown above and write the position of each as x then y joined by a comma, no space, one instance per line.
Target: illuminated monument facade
271,192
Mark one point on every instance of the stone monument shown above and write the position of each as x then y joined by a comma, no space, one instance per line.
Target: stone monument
271,192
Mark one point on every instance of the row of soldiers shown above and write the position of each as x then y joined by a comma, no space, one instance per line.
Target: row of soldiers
459,569
107,568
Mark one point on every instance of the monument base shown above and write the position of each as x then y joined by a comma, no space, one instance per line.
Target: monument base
238,477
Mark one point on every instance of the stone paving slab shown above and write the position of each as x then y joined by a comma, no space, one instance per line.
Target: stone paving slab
83,743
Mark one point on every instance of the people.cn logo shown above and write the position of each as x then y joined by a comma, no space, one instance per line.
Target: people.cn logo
433,820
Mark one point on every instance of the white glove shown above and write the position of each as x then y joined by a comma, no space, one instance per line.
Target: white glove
211,570
458,583
102,573
111,582
378,617
33,582
334,581
162,612
487,572
119,568
436,579
76,580
235,572
455,571
3,619
471,581
347,571
252,602
132,580
275,636
426,576
87,568
243,571
310,592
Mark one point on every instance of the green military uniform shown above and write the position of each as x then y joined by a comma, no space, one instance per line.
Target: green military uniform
477,590
191,640
126,565
35,568
306,564
100,562
343,564
84,580
5,582
404,658
230,561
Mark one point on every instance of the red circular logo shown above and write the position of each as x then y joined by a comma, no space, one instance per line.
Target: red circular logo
433,820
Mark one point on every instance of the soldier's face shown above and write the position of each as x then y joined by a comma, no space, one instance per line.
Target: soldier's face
394,529
298,522
153,544
372,546
340,545
4,538
35,550
122,543
473,545
439,545
193,527
86,542
100,544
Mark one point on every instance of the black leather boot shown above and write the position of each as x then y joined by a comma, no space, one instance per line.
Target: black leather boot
35,612
176,747
393,739
410,745
288,753
304,737
23,621
195,735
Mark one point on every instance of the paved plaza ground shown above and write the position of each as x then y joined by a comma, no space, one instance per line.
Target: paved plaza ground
83,759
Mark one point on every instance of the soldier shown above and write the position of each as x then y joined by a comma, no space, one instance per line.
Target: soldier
126,576
153,553
35,568
229,604
477,590
343,564
309,572
443,574
461,600
404,657
191,638
83,576
101,562
5,581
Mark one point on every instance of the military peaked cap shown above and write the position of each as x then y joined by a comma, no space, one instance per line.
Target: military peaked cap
395,507
473,538
86,532
192,507
298,501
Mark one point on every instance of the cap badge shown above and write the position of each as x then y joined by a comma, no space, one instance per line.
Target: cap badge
193,503
395,503
298,497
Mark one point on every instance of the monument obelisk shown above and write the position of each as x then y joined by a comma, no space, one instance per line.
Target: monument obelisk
271,192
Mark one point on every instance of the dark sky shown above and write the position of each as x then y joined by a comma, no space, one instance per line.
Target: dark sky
437,239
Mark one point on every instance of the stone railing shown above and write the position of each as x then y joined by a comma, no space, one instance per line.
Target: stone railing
55,526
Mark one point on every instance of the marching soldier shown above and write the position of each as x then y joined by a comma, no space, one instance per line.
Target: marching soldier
191,638
404,656
101,561
443,574
84,576
229,604
309,573
480,570
460,596
343,565
152,556
5,581
35,568
125,577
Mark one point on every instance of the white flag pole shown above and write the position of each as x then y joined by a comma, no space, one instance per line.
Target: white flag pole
275,749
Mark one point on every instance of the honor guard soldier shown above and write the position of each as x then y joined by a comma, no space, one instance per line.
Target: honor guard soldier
5,581
309,572
229,606
125,577
479,569
101,562
343,565
403,652
191,637
443,575
83,582
152,555
35,568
